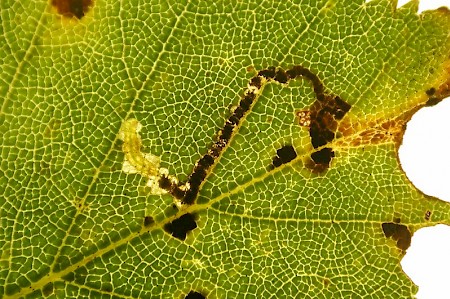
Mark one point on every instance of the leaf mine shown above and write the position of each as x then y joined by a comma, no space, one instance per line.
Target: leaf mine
135,160
322,119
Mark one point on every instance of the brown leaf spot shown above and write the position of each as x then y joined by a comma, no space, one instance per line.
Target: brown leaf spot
72,8
427,215
399,233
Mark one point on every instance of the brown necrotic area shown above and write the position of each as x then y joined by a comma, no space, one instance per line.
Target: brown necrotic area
72,8
399,233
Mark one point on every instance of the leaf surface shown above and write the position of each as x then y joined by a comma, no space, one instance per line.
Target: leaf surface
107,106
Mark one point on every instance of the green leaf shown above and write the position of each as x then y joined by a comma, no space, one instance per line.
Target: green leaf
108,106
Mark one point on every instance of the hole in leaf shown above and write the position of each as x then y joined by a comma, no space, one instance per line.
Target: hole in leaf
427,262
181,226
424,153
72,8
194,295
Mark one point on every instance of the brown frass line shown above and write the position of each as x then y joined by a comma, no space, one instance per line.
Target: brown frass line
325,112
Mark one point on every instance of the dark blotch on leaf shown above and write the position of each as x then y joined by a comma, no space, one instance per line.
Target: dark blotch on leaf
268,74
148,221
320,136
323,156
181,226
284,155
247,101
342,108
256,82
427,215
165,183
432,101
239,112
324,116
195,180
398,232
234,119
70,8
178,193
206,161
47,290
190,195
281,76
194,295
226,132
430,91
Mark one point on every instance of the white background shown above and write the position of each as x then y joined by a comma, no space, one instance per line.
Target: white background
425,157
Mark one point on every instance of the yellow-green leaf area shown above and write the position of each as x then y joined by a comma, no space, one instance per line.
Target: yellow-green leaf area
151,86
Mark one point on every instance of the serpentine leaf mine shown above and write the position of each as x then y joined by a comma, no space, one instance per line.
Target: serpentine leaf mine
322,119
